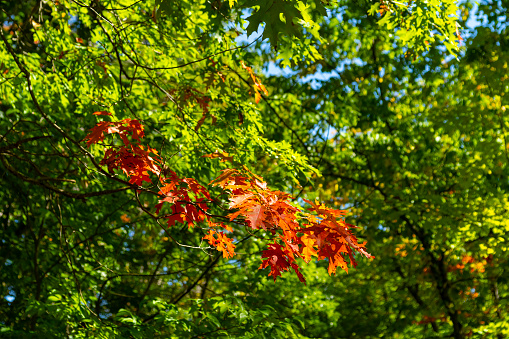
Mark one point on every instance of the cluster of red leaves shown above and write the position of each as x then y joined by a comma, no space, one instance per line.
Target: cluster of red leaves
188,200
296,233
186,197
133,159
123,128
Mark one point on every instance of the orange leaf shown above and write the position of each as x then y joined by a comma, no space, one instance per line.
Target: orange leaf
238,200
101,113
222,243
257,97
223,178
223,156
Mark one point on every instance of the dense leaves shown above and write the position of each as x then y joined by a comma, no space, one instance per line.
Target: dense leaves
323,235
134,136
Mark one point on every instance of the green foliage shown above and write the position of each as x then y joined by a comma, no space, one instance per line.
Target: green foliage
416,150
421,22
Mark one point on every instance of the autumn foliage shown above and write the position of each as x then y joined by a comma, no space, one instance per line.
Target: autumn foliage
319,232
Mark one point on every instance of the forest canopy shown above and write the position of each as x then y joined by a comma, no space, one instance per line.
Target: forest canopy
282,168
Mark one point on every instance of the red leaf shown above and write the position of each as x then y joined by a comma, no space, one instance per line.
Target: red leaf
279,261
136,128
97,132
256,217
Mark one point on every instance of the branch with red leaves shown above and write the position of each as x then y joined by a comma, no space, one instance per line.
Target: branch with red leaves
319,232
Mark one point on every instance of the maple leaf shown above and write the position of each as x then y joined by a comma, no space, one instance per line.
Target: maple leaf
136,128
279,260
222,243
236,201
196,188
222,225
178,215
308,249
131,126
135,162
256,216
97,132
140,178
184,212
331,242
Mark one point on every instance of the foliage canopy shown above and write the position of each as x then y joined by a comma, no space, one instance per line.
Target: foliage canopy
116,116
